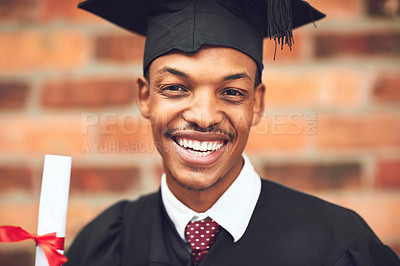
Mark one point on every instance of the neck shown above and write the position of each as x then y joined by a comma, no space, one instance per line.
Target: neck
200,200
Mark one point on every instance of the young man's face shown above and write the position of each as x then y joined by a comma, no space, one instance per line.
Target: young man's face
201,107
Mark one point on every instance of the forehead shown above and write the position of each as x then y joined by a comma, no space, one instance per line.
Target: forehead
209,60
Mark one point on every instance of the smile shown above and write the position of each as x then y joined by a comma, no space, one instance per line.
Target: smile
199,148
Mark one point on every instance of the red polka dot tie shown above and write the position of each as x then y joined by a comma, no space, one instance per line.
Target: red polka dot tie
201,235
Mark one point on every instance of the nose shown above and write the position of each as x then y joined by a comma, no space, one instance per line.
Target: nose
204,109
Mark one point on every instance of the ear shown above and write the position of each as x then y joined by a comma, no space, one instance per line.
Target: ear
258,108
143,96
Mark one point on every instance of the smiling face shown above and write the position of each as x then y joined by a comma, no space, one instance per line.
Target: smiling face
201,107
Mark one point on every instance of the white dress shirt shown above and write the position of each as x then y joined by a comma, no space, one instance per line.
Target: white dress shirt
232,210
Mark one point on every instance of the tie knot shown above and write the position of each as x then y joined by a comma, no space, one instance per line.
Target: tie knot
201,235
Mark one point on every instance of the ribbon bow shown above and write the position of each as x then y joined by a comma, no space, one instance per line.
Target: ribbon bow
49,242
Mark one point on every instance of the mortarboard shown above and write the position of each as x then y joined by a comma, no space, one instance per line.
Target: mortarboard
186,25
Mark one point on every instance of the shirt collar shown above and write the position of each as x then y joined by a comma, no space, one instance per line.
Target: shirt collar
232,210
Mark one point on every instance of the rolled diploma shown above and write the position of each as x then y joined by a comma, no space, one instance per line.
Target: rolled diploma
53,200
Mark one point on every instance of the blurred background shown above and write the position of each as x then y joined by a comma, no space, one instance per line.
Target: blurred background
67,80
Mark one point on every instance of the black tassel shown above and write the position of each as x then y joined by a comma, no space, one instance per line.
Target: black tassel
280,24
311,15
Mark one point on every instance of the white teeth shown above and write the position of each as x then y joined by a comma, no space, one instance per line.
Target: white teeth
196,145
214,146
200,148
200,154
204,146
210,146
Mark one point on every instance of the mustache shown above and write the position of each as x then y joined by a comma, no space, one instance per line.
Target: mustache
193,126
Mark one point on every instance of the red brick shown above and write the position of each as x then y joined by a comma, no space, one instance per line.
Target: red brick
285,54
293,89
42,135
79,214
315,176
338,87
388,174
158,171
124,133
383,8
126,48
380,210
334,87
17,257
15,178
360,132
91,92
21,11
34,50
357,44
67,11
386,89
101,179
278,132
23,214
13,94
339,9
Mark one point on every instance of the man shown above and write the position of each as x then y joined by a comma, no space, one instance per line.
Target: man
202,92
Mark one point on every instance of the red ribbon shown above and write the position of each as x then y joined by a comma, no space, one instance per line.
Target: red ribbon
49,242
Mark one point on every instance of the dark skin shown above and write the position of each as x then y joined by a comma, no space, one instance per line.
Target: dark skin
201,107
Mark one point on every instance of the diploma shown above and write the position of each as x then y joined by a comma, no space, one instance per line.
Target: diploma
53,201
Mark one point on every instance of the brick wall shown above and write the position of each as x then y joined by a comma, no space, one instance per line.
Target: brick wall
331,126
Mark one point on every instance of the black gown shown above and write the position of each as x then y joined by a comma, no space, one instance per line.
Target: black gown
287,228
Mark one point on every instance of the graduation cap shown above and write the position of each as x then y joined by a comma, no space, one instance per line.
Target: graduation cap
186,25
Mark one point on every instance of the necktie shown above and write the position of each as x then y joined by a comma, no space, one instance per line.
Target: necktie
201,235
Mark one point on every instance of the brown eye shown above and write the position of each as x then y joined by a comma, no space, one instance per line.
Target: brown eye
232,92
173,88
174,91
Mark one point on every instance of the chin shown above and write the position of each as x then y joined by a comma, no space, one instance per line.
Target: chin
193,180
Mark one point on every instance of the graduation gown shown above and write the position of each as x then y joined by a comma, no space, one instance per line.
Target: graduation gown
287,228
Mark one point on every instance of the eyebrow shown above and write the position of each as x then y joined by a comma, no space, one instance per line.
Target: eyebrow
177,72
237,76
173,71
